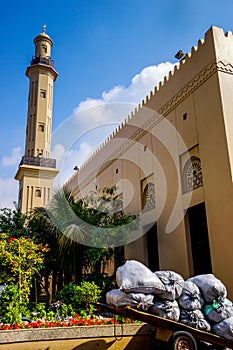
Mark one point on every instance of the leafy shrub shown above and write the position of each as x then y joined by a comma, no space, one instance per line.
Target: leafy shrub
69,296
78,297
20,260
41,310
103,280
88,294
10,305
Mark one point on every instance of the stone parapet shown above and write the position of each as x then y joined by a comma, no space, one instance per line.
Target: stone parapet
130,337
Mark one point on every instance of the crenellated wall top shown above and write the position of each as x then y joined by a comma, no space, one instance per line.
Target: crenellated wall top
214,52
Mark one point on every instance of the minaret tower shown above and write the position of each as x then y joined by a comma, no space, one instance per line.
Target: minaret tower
37,170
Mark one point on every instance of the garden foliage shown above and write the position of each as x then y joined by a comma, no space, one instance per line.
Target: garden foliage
43,250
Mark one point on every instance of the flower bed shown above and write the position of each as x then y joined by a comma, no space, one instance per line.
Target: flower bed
75,321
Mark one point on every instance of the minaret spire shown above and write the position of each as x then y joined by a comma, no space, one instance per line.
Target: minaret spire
37,170
44,28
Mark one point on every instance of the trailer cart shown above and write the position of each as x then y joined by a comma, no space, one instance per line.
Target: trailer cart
177,335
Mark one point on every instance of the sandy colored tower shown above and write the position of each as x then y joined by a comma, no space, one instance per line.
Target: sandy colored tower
37,170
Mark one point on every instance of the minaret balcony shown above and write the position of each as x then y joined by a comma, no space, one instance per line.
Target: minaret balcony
38,161
43,60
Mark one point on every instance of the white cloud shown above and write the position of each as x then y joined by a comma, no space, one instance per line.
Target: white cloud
8,185
58,153
140,86
94,119
13,159
9,192
75,158
66,161
112,107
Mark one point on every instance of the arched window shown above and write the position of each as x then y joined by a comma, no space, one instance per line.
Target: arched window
44,47
41,127
37,193
42,93
148,197
192,174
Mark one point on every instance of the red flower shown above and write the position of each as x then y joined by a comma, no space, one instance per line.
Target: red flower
75,321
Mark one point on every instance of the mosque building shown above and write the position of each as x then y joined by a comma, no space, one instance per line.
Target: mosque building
172,161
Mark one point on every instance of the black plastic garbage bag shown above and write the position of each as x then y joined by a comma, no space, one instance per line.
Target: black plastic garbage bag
224,328
191,298
211,287
166,308
173,283
195,319
217,312
133,276
118,298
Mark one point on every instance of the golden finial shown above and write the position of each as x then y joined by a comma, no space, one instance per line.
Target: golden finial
44,28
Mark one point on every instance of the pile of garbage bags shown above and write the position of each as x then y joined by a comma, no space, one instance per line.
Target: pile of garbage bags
200,302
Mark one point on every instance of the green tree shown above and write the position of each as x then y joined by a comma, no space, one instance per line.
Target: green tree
80,297
13,222
43,231
65,226
11,305
63,213
20,260
47,226
98,216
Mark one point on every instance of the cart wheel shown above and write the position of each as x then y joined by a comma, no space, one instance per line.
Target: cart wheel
182,341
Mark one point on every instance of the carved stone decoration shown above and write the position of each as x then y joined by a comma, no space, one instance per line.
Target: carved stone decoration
192,174
148,197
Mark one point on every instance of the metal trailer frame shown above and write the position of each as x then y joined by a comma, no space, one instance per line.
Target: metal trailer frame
178,335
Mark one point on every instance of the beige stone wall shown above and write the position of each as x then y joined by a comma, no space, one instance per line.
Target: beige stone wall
129,343
36,186
130,337
39,119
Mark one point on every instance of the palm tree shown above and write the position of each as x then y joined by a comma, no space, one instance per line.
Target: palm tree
82,235
55,226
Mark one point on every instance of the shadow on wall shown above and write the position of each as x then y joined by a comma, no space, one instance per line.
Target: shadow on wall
137,342
95,344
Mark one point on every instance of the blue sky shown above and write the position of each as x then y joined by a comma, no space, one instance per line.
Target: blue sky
104,51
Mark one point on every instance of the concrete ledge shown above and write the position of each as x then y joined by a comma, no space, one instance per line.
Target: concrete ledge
130,337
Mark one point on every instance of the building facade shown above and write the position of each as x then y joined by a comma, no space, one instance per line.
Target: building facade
172,160
37,170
